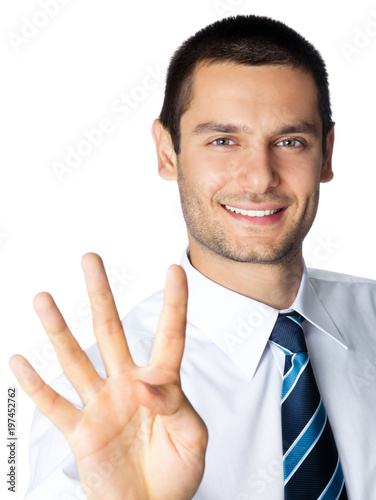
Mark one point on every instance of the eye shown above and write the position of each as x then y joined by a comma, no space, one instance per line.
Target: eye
223,141
290,143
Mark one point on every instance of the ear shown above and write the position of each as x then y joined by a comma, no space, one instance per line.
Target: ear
167,161
326,170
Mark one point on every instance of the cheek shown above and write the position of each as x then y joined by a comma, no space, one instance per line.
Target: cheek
206,173
302,175
306,191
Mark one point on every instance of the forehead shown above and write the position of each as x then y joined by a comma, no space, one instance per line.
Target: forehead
265,96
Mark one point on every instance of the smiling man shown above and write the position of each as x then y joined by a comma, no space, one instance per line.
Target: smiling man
255,391
248,172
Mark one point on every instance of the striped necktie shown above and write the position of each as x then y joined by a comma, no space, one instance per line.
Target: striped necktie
311,466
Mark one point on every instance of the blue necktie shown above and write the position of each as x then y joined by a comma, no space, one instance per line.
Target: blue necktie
311,466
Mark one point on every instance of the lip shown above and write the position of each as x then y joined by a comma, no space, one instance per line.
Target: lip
255,207
265,221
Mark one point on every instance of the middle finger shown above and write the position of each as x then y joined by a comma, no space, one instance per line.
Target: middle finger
107,325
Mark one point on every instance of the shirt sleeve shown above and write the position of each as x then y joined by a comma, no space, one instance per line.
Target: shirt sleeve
53,471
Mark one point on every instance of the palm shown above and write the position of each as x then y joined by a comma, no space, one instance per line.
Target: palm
137,435
115,424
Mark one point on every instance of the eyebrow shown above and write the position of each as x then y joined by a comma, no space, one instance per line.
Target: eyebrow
233,128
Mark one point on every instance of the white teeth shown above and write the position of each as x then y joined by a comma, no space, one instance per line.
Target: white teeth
251,213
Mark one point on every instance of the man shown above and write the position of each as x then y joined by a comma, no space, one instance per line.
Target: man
246,131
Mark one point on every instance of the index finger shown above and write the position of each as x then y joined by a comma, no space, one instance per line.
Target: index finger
169,340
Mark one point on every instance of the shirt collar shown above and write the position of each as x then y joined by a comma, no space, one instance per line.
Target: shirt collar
308,304
241,326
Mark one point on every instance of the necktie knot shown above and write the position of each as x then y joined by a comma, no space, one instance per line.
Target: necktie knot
288,332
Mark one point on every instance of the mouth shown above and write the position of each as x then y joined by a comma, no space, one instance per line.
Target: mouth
253,213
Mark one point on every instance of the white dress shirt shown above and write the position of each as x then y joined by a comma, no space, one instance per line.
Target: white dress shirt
232,375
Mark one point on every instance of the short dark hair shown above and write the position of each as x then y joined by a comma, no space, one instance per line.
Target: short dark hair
248,40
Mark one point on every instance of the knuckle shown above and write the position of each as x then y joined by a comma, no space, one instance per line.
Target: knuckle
171,332
60,340
110,326
102,299
75,357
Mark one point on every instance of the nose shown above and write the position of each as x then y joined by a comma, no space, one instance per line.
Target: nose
256,172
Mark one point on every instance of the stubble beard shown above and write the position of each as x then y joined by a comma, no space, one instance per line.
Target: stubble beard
211,234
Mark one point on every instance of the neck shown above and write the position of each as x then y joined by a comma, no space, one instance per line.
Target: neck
273,284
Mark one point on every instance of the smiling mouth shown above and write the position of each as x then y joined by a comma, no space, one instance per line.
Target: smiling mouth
252,213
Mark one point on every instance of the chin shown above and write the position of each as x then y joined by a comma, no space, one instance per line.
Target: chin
256,253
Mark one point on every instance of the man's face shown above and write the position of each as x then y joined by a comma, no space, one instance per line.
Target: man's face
251,140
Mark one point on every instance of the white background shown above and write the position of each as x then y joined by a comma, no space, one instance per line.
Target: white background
66,78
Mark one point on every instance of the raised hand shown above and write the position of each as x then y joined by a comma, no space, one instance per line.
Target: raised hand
136,425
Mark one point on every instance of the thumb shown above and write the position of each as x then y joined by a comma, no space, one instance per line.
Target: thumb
169,401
